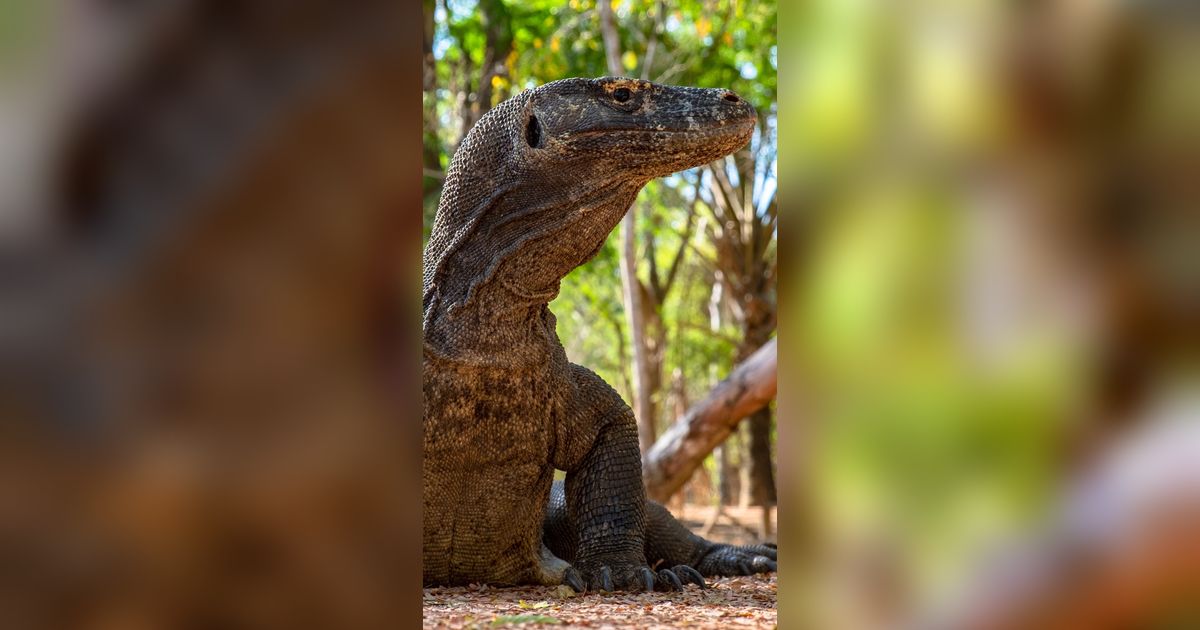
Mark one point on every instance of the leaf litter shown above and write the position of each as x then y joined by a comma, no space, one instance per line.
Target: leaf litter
731,602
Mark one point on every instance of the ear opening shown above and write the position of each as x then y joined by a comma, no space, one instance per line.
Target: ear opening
533,132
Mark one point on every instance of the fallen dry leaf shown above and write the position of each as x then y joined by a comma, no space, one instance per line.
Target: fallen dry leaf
741,602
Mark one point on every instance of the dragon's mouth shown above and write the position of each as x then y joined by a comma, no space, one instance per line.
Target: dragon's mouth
704,129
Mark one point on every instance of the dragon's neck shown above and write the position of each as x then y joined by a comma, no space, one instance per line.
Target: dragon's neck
495,272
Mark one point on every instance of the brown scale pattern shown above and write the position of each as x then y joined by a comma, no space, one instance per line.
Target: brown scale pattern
532,192
668,543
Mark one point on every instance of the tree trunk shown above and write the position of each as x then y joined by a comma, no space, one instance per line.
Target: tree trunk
654,340
762,474
466,70
643,408
431,154
497,46
741,235
725,476
679,396
612,43
683,447
621,357
744,484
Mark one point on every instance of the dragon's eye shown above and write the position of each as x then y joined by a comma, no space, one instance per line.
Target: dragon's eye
622,94
533,132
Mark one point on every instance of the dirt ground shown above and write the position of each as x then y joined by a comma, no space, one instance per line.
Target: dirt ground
731,602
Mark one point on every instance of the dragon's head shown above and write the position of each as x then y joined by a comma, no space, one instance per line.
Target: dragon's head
542,179
625,128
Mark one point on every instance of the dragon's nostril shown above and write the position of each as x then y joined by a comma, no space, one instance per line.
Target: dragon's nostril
731,97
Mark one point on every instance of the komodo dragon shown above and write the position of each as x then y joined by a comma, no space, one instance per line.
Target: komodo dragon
668,542
532,193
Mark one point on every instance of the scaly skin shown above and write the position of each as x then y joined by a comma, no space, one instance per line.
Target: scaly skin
668,543
532,193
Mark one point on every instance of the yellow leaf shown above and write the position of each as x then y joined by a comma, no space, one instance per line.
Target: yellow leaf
537,42
498,81
703,26
554,43
728,38
629,60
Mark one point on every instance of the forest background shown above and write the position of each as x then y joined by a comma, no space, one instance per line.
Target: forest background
703,242
986,279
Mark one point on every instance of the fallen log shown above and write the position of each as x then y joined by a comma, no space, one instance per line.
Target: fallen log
680,450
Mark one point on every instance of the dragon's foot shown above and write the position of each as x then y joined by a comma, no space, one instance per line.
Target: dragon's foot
553,570
674,579
731,560
622,574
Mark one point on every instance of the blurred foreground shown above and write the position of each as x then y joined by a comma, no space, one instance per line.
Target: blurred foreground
208,231
990,364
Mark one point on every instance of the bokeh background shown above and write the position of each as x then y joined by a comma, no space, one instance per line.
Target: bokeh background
988,294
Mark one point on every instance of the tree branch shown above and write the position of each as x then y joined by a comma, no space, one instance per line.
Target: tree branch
682,448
